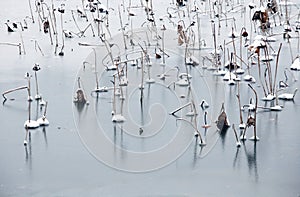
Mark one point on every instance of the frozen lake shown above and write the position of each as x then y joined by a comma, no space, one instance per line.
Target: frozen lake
83,153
